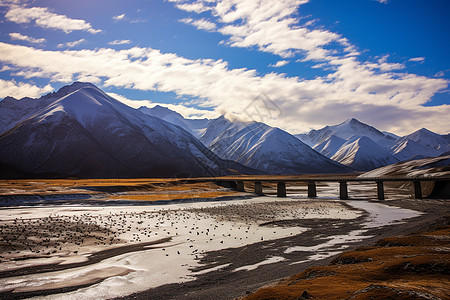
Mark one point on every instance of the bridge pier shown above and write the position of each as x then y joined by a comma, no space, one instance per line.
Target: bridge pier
380,190
281,189
312,192
417,189
343,192
240,186
258,188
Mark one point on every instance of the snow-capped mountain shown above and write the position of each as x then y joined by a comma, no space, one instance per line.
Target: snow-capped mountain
272,150
363,154
421,142
195,127
81,131
430,139
220,127
256,145
349,143
330,146
346,130
408,149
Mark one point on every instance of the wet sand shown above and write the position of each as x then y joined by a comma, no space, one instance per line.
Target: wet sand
404,267
199,250
227,284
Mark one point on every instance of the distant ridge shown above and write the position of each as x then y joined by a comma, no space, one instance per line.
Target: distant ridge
79,131
332,140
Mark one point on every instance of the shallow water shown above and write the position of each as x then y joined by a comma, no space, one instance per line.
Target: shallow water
192,235
381,214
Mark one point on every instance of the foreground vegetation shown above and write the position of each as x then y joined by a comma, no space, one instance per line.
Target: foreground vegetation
408,267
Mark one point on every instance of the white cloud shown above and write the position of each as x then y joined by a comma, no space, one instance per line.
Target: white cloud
21,37
269,26
383,1
46,19
185,111
119,17
279,63
130,102
201,24
383,65
417,59
19,90
276,27
72,44
120,42
352,90
197,7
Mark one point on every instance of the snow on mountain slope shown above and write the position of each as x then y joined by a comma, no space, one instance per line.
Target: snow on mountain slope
428,138
80,131
330,146
272,150
433,166
346,130
363,154
421,142
220,127
195,127
392,135
254,144
408,149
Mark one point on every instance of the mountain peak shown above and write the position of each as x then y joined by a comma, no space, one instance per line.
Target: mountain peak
424,130
75,86
67,89
161,112
352,122
422,133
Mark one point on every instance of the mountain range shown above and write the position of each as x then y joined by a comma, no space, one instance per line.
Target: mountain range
257,145
343,144
354,144
80,131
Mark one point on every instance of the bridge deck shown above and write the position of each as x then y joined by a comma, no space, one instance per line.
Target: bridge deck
238,183
317,179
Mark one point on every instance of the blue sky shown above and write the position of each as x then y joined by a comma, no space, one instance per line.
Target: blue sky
318,62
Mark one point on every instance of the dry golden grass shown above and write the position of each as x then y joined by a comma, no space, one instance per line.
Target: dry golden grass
130,189
396,268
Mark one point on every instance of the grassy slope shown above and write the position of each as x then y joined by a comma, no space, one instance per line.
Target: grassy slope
409,267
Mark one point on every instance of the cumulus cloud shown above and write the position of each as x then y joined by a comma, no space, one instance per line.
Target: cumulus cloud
276,27
119,17
269,26
279,63
439,74
185,111
20,90
352,90
201,24
417,59
21,37
383,65
197,7
130,102
47,19
72,44
120,42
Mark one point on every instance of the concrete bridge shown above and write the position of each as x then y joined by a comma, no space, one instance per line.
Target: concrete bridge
441,185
